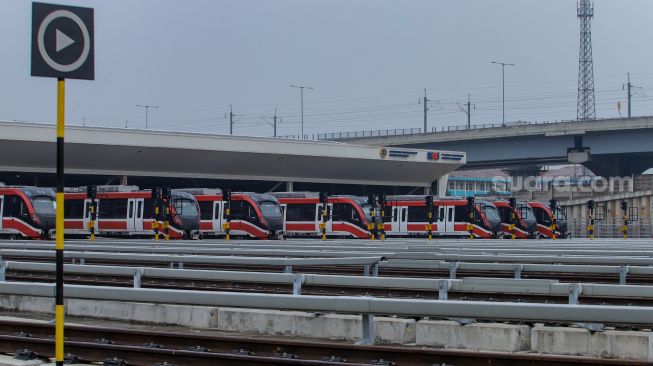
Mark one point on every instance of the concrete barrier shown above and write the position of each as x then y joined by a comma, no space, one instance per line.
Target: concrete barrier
477,336
628,345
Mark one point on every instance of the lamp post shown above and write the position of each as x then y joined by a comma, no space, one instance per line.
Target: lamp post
301,92
503,84
147,107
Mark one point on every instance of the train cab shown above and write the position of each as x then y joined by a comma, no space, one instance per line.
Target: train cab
27,212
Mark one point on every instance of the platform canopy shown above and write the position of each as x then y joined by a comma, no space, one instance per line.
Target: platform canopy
30,147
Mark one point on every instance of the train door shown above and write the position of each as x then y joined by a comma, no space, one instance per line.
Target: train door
216,221
131,216
138,214
86,215
402,219
446,219
1,210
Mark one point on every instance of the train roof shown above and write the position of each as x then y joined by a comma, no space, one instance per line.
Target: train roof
295,194
103,189
201,191
32,190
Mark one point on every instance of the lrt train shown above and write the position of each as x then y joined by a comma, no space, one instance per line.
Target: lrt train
347,216
546,215
518,214
252,215
129,211
408,216
27,212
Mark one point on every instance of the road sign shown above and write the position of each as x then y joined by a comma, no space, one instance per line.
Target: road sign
62,42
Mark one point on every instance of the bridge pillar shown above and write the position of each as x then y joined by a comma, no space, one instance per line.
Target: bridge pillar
619,165
289,186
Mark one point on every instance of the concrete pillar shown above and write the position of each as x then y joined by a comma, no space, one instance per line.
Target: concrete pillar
123,180
289,187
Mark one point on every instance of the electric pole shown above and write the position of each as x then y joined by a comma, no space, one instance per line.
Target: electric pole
503,88
231,119
468,111
629,88
426,108
147,108
301,93
274,119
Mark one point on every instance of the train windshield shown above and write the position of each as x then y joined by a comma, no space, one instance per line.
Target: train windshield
367,211
44,204
270,209
186,207
527,213
491,213
560,215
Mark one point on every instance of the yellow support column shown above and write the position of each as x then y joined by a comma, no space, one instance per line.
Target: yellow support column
59,226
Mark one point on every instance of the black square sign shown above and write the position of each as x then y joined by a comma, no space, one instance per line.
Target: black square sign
62,42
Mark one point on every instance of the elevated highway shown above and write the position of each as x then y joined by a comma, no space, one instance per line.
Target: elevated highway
616,147
30,147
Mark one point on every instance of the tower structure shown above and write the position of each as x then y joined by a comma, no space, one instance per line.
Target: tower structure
586,108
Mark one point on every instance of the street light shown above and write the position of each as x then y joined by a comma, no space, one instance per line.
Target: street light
503,83
301,92
147,107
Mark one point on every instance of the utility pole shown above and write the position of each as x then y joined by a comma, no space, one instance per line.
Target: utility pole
426,108
301,92
147,108
503,87
231,119
468,111
630,95
274,119
629,87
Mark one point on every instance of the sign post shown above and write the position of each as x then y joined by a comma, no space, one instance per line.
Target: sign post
62,48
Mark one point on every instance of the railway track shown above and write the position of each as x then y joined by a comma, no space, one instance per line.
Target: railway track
150,347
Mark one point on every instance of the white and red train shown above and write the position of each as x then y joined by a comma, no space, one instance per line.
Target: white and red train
252,215
408,216
347,216
27,212
129,211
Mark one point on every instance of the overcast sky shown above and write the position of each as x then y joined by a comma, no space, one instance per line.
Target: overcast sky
368,61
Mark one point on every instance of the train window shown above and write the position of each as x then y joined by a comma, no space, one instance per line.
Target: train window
460,214
139,210
450,216
394,214
113,208
206,210
270,209
403,215
0,206
43,204
388,214
185,207
345,212
148,210
73,209
14,207
130,212
87,210
304,212
441,215
417,214
243,210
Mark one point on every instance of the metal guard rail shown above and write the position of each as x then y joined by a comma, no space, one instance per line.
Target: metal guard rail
442,286
348,304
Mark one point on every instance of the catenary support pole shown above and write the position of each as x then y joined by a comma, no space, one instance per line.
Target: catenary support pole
59,307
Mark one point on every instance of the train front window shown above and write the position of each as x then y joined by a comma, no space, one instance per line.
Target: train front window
270,209
561,215
491,213
367,211
526,213
44,204
186,207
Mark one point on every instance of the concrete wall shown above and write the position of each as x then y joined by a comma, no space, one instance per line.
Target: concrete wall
499,337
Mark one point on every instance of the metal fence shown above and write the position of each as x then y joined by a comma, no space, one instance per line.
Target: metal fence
371,133
611,228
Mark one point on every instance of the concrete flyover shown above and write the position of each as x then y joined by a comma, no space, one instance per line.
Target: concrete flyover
30,147
617,147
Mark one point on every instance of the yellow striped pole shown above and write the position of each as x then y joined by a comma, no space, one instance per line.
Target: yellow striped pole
59,307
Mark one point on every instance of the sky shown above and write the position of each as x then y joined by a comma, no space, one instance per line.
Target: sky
367,60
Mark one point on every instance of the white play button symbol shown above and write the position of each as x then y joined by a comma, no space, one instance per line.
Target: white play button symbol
62,40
